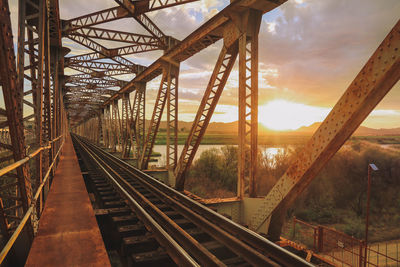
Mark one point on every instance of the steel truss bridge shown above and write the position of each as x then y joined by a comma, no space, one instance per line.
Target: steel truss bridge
41,105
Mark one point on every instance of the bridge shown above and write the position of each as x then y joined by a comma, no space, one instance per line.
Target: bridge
76,187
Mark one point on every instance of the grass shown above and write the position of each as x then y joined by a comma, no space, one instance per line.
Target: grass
223,138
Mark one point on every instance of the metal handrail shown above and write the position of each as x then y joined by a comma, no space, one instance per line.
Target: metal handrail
29,212
21,162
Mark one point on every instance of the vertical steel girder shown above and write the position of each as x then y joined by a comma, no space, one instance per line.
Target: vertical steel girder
103,118
155,122
107,127
207,106
126,121
172,117
140,117
37,75
13,98
374,81
248,101
132,125
138,120
99,128
47,118
115,127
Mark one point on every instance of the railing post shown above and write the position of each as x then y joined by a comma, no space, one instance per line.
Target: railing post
294,227
320,238
360,260
315,238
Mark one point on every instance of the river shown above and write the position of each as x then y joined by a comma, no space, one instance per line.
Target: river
267,151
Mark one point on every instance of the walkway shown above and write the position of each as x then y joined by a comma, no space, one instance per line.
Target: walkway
68,233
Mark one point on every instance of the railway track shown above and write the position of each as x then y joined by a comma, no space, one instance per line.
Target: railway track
159,226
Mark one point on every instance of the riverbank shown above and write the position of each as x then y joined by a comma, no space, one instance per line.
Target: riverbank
271,140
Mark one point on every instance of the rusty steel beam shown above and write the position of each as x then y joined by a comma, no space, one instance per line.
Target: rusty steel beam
115,13
373,82
113,52
154,123
81,80
95,91
87,76
120,71
125,129
207,106
107,68
103,128
38,96
115,126
101,50
138,119
107,127
94,18
172,116
112,35
159,4
249,27
85,58
13,95
134,49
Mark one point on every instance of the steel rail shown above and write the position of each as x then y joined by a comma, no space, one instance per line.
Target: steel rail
238,247
205,215
205,257
29,212
179,255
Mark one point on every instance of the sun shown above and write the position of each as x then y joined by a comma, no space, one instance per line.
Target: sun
282,115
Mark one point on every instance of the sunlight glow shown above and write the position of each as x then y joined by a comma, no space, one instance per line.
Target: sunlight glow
271,27
282,115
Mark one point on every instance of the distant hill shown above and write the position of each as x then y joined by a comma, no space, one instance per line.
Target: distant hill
361,131
231,128
214,127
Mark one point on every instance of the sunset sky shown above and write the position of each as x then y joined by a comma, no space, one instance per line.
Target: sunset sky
310,51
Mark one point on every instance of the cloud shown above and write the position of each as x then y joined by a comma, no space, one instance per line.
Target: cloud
320,46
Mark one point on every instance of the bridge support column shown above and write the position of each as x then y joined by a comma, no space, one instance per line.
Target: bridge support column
115,127
106,127
125,126
249,25
102,127
172,117
155,122
138,120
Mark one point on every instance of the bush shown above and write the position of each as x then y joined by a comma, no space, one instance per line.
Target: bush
216,172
